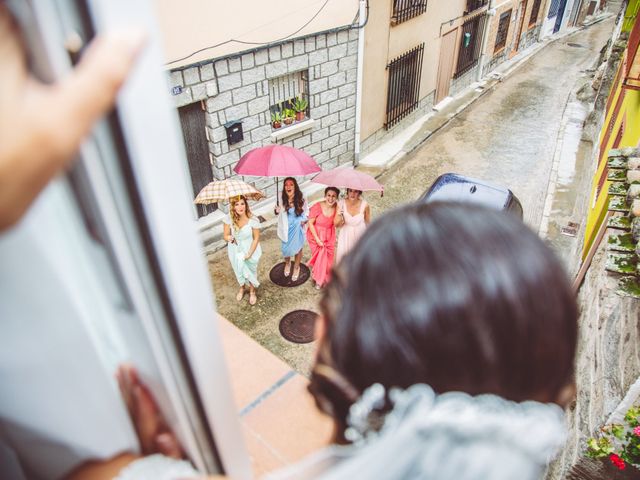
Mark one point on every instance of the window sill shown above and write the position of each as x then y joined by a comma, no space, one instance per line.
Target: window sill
284,132
498,51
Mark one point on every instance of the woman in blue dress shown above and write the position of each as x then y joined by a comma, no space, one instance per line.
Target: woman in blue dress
292,220
242,233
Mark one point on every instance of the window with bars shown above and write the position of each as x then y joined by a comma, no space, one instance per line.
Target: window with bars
470,42
473,5
404,10
403,92
503,31
285,90
535,10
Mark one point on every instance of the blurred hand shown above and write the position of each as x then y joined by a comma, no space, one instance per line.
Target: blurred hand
42,126
153,433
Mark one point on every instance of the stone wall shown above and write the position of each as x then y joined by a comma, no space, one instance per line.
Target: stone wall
608,359
237,88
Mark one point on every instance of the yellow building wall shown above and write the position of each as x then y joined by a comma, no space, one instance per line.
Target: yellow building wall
630,113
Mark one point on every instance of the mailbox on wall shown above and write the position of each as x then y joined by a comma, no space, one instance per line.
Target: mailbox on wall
234,131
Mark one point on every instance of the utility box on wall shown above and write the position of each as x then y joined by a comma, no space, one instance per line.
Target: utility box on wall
234,131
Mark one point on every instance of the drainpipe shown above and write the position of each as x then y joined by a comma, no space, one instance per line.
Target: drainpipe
362,18
491,11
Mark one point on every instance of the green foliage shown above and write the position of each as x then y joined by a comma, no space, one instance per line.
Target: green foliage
300,105
276,117
618,440
288,113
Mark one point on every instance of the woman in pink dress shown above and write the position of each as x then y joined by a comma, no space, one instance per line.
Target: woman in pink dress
321,236
352,218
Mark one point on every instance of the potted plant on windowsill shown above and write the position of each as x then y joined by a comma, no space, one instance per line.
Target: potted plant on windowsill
300,106
288,116
276,120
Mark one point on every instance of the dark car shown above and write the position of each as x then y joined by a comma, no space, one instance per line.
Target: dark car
458,188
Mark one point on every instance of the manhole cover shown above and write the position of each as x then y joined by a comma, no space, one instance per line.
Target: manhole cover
277,275
575,45
298,326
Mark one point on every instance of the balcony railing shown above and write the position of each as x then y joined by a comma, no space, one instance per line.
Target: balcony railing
473,5
632,67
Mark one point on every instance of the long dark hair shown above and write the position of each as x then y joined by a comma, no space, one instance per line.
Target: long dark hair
455,296
298,199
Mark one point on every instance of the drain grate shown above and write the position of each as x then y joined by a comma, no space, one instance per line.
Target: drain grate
298,326
277,275
570,230
575,45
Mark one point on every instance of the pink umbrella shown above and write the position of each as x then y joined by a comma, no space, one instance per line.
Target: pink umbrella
276,161
348,178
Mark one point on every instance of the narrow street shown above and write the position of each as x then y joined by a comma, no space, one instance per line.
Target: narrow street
509,136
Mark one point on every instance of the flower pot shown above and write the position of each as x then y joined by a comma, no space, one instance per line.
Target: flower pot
276,125
299,116
288,121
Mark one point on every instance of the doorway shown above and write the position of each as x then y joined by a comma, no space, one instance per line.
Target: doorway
194,126
523,11
445,66
561,7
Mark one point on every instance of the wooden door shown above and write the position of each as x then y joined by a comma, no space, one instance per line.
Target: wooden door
194,127
523,11
445,65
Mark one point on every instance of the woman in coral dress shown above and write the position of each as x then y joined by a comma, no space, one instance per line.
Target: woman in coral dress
352,218
321,236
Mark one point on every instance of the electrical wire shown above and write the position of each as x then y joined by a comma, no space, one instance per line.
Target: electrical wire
251,43
353,26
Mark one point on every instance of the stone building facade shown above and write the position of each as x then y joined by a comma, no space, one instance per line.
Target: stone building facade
500,45
240,88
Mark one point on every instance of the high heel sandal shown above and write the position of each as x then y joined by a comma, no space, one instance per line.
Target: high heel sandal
253,298
296,274
240,294
287,269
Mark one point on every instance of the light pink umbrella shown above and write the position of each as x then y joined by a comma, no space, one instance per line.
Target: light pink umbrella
276,161
348,178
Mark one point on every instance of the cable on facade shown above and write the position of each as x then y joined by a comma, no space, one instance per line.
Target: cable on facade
254,43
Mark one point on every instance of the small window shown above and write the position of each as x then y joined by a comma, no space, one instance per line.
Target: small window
404,10
535,10
503,30
473,5
405,73
288,92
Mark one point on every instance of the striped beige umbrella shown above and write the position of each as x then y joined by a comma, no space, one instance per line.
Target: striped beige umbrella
225,189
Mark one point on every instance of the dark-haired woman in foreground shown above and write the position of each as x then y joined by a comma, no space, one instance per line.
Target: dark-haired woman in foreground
446,348
447,357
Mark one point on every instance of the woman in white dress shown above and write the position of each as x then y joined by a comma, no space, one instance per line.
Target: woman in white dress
242,233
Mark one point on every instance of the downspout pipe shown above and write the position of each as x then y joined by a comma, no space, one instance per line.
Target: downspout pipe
490,13
362,15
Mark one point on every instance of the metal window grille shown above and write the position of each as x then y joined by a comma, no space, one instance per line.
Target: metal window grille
470,42
405,73
473,5
535,10
503,30
553,9
404,10
284,90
